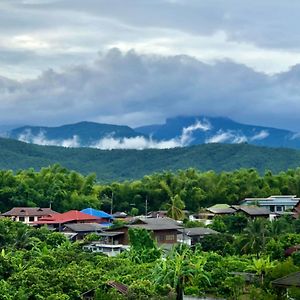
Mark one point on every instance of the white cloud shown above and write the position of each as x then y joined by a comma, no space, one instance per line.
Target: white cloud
111,142
226,136
260,136
40,139
138,142
187,132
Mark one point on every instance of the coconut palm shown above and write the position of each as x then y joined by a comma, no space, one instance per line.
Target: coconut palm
175,208
255,236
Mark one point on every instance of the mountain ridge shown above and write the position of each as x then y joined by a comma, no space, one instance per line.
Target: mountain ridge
178,131
110,165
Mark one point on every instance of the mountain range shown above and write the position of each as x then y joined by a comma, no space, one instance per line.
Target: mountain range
179,131
132,164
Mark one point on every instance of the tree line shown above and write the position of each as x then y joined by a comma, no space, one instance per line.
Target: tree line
64,189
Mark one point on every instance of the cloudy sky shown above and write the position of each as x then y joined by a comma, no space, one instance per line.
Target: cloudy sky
137,62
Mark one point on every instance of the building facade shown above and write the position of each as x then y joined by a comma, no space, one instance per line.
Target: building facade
276,204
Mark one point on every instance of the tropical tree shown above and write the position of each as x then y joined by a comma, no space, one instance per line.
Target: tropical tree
255,236
175,208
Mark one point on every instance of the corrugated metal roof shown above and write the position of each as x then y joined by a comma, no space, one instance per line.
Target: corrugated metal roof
97,213
198,231
85,227
291,280
69,216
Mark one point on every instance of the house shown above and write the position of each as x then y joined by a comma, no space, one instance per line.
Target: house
276,204
162,213
221,209
107,249
192,236
296,210
72,216
163,230
80,230
105,217
28,215
206,216
119,287
254,211
120,215
291,280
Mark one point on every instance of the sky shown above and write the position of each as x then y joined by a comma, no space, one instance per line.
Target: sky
138,62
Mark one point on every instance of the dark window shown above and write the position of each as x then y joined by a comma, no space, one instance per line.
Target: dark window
21,219
31,219
279,208
272,208
160,238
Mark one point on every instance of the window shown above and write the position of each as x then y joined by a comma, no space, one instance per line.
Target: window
31,219
279,208
272,208
21,219
160,238
169,237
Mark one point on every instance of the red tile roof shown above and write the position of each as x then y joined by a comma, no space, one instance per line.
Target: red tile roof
69,216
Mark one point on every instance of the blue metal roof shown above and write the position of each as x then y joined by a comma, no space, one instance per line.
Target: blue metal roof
97,213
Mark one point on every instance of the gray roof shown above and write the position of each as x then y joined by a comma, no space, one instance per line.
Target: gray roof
254,210
85,227
224,210
198,231
110,233
291,280
29,211
156,224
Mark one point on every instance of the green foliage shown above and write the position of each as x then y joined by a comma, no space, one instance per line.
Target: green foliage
142,246
192,224
219,243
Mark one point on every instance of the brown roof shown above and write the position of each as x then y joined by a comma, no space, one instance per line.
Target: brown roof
291,280
120,287
29,211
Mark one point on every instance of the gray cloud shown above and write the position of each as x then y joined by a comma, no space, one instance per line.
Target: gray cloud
263,35
134,89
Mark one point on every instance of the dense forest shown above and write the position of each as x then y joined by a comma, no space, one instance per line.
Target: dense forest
64,189
119,165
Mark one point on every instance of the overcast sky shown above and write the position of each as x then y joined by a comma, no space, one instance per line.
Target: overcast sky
137,62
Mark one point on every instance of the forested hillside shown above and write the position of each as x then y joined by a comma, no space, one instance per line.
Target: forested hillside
132,164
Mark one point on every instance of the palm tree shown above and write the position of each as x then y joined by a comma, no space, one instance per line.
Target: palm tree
255,236
176,205
175,208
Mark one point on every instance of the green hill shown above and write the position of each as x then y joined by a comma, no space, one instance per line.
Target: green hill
130,164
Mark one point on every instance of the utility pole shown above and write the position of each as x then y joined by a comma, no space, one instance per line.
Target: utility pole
112,203
146,206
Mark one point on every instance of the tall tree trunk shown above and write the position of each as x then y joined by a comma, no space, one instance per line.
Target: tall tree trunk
179,290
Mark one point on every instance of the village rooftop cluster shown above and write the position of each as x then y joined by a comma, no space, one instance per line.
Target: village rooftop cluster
166,231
